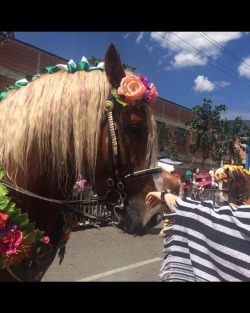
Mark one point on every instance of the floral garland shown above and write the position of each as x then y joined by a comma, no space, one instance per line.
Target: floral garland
20,242
70,67
133,91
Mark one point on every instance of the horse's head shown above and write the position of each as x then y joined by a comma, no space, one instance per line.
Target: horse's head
126,151
233,184
77,119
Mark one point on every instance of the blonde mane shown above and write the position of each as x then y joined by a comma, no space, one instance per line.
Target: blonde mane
237,170
52,115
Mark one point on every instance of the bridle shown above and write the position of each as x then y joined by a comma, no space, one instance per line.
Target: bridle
118,191
115,191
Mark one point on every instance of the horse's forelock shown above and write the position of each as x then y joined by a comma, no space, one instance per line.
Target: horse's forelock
50,115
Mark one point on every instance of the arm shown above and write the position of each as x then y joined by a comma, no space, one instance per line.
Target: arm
155,197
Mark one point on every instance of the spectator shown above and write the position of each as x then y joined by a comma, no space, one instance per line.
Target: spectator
212,172
188,175
204,244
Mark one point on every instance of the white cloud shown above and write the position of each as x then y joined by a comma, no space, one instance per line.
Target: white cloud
193,48
202,84
139,38
184,59
222,84
159,62
150,48
244,68
125,36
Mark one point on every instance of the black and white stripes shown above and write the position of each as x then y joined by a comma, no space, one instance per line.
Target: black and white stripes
207,244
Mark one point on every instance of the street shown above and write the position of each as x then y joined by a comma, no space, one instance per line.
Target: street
109,255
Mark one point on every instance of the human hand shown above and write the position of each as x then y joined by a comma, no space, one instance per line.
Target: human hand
153,198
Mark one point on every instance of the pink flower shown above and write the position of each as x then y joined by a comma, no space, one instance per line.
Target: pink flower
11,242
132,88
153,93
3,220
46,239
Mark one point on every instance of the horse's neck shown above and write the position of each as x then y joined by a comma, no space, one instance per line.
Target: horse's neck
43,213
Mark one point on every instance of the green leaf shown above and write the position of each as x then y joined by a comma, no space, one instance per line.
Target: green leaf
3,191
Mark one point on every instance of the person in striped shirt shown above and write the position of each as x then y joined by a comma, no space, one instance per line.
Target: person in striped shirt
204,243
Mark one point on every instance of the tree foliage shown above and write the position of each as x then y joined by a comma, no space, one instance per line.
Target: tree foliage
216,137
93,61
164,135
230,138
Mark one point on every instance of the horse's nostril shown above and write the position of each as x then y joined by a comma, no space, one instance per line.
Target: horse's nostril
155,220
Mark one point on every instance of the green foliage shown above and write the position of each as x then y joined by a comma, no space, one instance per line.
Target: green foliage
216,137
164,135
93,61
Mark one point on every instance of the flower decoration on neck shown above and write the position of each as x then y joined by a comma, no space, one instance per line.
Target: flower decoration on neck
135,91
221,176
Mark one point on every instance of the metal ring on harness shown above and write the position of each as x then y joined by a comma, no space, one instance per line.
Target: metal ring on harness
120,207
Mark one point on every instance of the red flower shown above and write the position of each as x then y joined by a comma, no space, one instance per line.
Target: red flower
46,239
3,220
11,242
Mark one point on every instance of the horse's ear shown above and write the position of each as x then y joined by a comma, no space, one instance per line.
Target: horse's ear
113,66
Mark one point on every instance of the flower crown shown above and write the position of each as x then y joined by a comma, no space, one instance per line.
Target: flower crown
70,67
135,91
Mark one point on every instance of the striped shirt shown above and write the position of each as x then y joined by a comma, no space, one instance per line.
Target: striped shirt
206,243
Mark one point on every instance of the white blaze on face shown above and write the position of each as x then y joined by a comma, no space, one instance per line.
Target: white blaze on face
223,194
136,203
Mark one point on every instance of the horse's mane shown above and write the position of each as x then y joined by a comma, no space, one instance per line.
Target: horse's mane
236,171
50,115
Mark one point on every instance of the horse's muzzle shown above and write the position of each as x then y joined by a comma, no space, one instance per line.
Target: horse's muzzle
124,222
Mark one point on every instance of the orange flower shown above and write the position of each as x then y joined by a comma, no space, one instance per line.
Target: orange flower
221,176
132,88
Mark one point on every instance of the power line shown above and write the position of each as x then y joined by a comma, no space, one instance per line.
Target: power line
208,56
198,57
228,52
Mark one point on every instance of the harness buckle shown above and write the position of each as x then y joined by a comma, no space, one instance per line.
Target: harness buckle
110,182
120,185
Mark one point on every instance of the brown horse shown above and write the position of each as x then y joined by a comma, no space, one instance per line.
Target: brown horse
58,125
233,184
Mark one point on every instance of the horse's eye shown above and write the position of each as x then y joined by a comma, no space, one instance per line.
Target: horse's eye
135,127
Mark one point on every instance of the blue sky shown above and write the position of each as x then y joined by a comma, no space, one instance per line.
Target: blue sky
186,67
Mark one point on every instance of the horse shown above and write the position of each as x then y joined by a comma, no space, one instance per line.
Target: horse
73,119
233,184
